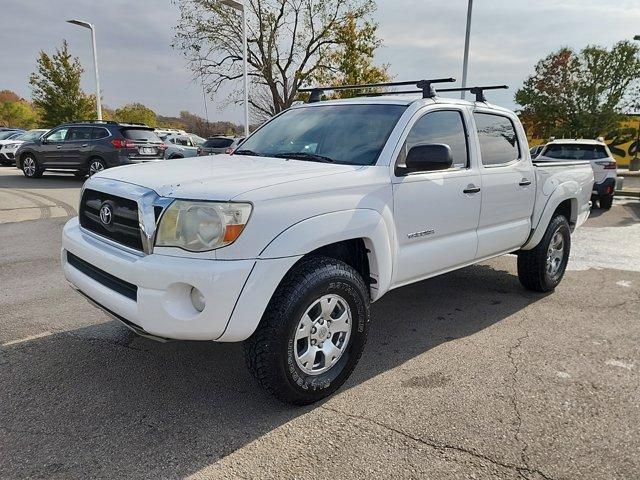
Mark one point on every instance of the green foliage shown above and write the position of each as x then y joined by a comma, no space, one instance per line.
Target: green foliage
56,88
18,114
580,94
136,113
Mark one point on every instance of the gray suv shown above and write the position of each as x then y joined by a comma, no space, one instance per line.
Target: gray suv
87,147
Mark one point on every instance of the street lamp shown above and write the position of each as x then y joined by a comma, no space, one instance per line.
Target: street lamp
465,63
240,7
95,61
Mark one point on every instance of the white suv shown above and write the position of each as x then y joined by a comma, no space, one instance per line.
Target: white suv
598,154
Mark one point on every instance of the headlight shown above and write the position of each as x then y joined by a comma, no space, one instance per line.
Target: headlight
11,145
201,226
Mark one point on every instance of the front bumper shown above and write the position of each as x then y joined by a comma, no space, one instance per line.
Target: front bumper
162,306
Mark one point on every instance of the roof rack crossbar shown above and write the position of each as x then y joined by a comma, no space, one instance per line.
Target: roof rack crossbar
92,121
477,91
425,87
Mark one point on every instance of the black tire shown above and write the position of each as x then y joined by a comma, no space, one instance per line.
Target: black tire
80,174
533,265
31,167
606,202
95,165
175,157
270,352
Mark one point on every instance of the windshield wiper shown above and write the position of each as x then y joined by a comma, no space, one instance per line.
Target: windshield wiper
305,156
249,153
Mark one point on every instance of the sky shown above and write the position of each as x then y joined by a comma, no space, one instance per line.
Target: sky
422,39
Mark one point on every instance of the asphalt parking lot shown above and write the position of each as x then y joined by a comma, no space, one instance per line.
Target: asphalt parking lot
464,376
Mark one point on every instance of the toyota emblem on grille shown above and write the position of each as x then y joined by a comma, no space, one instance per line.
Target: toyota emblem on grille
106,214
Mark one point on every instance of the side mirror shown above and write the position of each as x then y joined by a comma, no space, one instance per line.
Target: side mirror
44,141
428,158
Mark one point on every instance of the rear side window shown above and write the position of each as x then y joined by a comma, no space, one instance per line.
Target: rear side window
439,127
218,142
140,135
98,133
567,151
498,139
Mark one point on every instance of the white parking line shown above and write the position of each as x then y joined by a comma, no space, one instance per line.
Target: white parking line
26,339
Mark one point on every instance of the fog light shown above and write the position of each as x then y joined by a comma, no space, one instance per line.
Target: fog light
197,299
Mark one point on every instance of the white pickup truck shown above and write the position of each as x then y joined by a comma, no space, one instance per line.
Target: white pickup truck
323,210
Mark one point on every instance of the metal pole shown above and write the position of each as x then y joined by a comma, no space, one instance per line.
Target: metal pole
95,67
245,73
465,63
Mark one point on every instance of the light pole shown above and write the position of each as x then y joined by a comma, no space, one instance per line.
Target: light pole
95,61
634,164
241,7
465,63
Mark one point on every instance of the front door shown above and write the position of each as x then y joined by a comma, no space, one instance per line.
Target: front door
436,213
51,147
508,187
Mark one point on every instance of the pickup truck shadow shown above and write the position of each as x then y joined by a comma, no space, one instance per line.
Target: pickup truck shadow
99,401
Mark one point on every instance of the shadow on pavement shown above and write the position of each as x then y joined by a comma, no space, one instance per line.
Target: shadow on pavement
48,180
99,401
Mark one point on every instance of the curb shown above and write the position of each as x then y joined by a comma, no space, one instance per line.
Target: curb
627,193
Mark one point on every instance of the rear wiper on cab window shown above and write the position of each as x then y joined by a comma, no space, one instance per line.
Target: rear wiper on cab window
305,156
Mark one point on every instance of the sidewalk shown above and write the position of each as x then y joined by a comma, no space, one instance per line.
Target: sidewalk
630,184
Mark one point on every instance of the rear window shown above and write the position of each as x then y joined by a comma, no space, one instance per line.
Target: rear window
498,139
218,142
140,135
575,151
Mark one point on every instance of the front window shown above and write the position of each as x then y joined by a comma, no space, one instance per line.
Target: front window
57,135
348,134
575,151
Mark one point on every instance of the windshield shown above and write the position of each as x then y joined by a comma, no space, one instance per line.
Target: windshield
350,134
31,136
7,134
575,151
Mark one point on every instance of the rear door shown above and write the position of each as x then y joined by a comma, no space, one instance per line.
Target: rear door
51,147
508,184
77,146
436,213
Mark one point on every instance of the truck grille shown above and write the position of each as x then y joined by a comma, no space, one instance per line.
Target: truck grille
121,226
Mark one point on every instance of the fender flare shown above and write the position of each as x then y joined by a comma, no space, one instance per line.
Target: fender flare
325,229
559,195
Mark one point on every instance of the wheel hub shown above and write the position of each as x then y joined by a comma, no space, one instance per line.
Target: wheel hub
555,253
322,334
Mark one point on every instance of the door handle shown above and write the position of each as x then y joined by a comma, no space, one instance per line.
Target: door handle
58,147
525,182
85,145
471,188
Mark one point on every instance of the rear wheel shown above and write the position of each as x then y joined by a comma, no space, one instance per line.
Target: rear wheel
31,168
606,202
542,268
313,332
96,165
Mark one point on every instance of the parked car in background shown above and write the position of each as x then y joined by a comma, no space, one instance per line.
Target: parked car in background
218,145
322,210
8,148
165,132
597,153
535,151
88,147
180,146
9,134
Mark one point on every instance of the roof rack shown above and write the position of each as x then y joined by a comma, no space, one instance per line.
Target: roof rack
425,87
477,91
92,121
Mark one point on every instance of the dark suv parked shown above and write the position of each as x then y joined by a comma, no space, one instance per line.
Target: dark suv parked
87,147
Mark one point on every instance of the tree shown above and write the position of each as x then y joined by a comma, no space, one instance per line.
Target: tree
56,88
19,114
291,43
136,113
580,94
9,96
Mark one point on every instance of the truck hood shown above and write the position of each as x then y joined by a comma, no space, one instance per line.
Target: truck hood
220,177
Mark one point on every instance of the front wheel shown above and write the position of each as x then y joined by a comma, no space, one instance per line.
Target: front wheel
542,268
31,168
313,332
